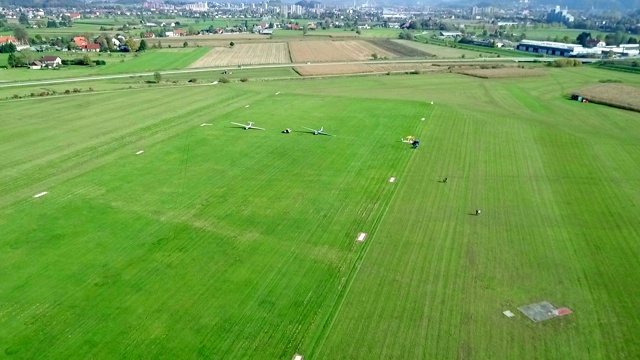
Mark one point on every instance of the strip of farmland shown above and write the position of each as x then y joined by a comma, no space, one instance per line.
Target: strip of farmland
500,73
245,54
346,69
616,95
325,51
399,49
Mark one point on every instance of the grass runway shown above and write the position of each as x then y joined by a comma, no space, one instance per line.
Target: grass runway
218,242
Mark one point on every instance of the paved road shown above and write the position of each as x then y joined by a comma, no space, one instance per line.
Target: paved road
187,71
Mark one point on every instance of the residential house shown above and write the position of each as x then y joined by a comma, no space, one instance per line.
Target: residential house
35,65
80,41
168,34
179,32
591,43
8,39
149,35
293,27
74,16
50,61
91,47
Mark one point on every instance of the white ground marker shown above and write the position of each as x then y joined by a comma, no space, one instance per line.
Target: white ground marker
508,313
432,103
247,106
214,83
393,179
40,194
361,236
423,119
278,93
298,357
205,124
139,152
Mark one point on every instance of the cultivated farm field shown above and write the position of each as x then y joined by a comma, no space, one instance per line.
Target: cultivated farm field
438,51
399,49
325,50
503,72
220,242
344,69
245,54
617,95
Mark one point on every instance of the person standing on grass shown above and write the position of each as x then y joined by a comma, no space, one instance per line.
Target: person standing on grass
445,180
477,212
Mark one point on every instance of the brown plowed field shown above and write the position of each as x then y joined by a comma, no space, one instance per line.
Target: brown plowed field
245,54
322,70
325,50
616,95
505,72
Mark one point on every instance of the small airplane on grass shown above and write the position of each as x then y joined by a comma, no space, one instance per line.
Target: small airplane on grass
318,132
247,127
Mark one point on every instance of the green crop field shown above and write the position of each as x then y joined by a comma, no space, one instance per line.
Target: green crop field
217,242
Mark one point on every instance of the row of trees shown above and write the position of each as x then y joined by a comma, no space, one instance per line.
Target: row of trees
610,39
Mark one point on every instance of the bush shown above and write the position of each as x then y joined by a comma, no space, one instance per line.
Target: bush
15,96
374,56
560,63
185,44
193,81
244,79
224,80
77,90
67,91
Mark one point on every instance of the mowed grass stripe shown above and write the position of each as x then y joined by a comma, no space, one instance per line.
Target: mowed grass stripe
443,276
104,143
236,241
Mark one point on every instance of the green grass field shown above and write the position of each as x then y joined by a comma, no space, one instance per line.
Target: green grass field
218,242
117,63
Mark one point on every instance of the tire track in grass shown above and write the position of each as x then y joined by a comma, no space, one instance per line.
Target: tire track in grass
315,347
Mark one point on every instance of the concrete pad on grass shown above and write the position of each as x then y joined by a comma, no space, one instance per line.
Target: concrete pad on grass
542,311
508,313
361,236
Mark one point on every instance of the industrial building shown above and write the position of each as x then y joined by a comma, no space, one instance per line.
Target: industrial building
557,49
575,50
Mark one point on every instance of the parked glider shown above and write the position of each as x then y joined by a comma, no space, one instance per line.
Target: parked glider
249,126
318,132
